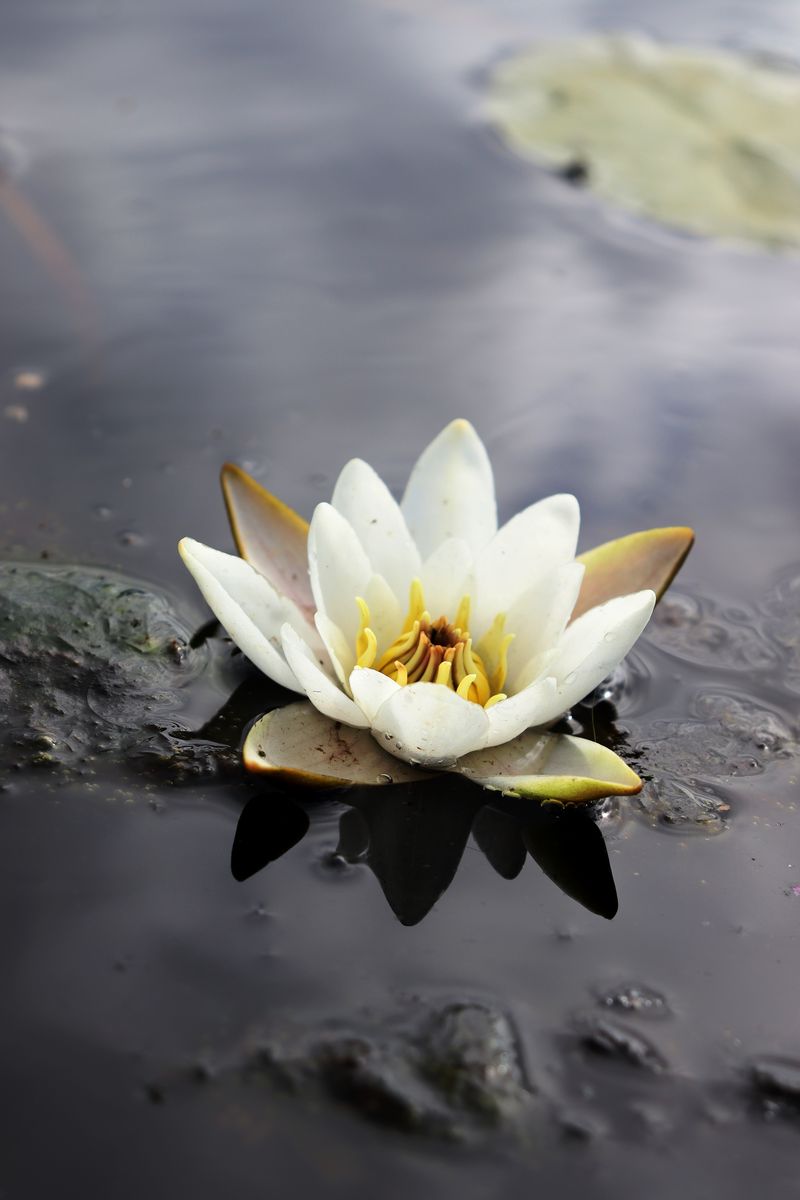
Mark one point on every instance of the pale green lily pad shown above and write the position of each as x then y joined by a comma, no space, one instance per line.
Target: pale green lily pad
700,139
648,559
551,766
297,744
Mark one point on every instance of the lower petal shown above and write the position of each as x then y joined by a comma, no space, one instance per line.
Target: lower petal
246,605
537,620
429,725
322,691
596,643
538,704
371,689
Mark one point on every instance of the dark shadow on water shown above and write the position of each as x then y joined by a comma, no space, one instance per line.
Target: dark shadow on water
413,838
267,828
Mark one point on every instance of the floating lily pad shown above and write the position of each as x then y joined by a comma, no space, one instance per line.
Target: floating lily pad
697,138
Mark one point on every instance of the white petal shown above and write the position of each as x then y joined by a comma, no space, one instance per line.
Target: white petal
339,569
529,546
595,643
364,500
537,620
451,491
535,706
341,654
385,612
446,576
371,689
247,606
323,693
429,725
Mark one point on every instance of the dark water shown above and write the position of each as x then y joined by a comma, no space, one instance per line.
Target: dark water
279,233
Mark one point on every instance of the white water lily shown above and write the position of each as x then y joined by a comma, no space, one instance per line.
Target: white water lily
422,621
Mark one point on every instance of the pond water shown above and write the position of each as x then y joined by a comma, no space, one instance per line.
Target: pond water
283,234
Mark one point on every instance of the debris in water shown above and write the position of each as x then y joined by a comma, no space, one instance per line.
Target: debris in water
29,381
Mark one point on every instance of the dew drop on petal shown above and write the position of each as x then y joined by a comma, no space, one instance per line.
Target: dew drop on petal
384,778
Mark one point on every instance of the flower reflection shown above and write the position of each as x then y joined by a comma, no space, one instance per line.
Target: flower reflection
413,837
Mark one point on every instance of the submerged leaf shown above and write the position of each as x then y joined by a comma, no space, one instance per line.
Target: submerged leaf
551,766
700,139
649,559
300,745
271,536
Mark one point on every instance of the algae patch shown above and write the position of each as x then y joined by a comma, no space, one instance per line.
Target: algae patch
702,140
91,662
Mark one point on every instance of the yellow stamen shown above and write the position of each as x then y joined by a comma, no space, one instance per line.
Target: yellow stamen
367,657
416,664
494,646
366,642
501,670
474,664
462,616
404,644
463,688
439,651
443,674
416,605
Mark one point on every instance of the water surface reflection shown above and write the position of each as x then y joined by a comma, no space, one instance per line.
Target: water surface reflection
412,837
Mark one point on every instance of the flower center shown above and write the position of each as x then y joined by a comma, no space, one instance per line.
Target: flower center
439,651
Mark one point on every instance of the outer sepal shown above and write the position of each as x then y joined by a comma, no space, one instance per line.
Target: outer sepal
550,766
272,537
297,744
648,559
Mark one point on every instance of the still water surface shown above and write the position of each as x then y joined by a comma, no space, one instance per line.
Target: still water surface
281,234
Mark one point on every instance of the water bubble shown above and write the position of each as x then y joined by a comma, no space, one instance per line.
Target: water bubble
571,677
609,637
384,778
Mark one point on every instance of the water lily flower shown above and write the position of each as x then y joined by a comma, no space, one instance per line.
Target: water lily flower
422,623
